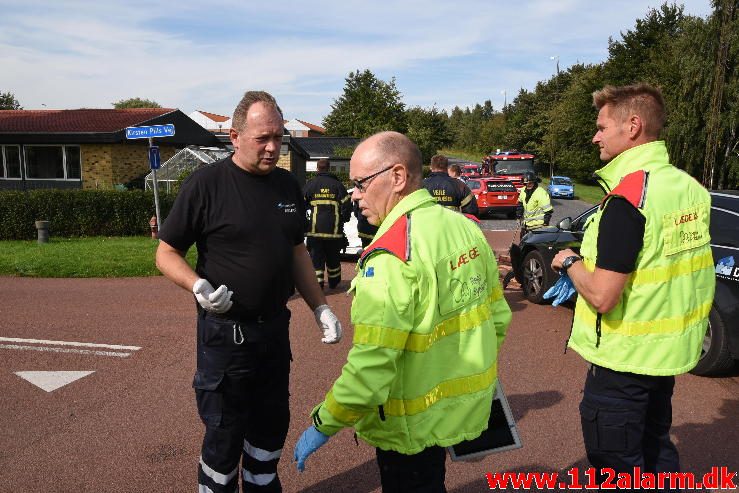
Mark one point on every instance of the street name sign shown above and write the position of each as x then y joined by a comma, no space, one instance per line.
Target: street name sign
150,131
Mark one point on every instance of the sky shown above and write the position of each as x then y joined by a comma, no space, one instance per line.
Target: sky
196,55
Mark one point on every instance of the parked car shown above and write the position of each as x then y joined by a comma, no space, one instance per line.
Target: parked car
471,170
561,187
721,344
531,260
494,195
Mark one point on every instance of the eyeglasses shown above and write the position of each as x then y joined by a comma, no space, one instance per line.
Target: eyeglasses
358,183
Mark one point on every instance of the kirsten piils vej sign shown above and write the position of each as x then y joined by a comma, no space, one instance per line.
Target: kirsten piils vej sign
149,132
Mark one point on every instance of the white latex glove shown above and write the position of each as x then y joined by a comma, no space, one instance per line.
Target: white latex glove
329,324
216,301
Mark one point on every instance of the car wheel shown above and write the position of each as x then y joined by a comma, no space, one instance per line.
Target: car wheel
537,277
715,356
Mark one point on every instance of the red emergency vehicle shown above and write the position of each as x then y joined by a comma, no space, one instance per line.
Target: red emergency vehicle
511,165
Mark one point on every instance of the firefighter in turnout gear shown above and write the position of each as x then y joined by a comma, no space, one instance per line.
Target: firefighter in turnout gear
365,230
449,192
534,208
329,207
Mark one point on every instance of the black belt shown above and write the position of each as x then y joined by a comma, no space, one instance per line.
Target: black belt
241,317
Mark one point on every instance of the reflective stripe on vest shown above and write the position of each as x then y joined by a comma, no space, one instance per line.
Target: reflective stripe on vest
407,407
396,339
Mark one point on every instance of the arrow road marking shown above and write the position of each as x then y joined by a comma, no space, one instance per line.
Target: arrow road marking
43,345
52,380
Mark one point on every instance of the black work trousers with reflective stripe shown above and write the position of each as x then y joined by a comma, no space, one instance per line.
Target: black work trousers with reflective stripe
326,252
626,420
241,389
423,472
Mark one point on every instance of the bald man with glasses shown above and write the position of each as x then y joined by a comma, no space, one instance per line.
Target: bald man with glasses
429,318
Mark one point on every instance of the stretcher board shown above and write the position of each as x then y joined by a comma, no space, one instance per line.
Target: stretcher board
501,435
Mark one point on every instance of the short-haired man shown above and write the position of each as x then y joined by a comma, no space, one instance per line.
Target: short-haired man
429,319
448,192
329,208
455,171
247,218
645,280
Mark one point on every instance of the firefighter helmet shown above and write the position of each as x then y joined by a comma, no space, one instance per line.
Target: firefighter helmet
529,177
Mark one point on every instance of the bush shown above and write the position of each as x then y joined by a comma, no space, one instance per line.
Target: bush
79,213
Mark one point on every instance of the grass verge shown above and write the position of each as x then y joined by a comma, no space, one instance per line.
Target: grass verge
131,256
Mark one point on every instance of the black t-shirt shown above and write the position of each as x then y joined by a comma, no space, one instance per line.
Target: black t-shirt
620,236
245,227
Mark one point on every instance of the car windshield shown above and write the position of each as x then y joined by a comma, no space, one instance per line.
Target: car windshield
561,181
515,167
579,222
474,185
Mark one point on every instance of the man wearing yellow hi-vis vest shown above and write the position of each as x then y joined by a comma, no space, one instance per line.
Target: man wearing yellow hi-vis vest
534,207
429,318
645,280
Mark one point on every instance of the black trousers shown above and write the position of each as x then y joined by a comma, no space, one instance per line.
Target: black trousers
241,389
325,252
626,420
423,472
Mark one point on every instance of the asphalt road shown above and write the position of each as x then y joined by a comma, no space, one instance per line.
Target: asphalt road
562,209
132,426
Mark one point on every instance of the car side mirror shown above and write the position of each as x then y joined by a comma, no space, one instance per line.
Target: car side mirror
565,224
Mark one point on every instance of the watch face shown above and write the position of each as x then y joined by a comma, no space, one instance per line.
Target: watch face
569,261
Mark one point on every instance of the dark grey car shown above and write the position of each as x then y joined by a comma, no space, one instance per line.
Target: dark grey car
531,260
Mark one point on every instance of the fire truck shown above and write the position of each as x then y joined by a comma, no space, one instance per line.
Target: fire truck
510,165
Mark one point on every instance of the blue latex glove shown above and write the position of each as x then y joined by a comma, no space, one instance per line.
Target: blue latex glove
310,441
562,290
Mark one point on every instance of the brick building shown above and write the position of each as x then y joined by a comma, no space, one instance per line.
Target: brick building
86,148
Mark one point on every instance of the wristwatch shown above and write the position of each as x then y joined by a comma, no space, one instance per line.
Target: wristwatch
567,263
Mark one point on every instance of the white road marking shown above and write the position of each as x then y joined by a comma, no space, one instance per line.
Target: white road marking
64,350
68,343
52,380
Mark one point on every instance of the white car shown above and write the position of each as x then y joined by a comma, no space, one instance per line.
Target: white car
353,247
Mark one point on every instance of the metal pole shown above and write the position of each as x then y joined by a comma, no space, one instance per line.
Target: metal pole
156,190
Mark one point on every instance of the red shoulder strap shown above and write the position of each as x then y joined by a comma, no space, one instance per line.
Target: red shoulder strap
633,187
396,240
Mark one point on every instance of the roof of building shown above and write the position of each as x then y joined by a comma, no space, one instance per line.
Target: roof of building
214,117
315,128
76,121
84,126
318,147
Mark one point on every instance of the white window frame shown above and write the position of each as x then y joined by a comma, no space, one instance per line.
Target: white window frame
4,159
64,162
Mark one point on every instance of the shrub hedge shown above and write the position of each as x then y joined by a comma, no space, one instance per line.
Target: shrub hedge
79,213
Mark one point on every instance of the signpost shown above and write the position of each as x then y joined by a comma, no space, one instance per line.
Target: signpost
155,161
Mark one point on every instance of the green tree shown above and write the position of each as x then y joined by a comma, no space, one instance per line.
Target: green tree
629,58
135,103
428,129
367,106
8,101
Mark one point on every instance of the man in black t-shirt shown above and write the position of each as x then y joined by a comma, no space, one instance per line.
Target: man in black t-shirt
246,217
329,207
449,192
